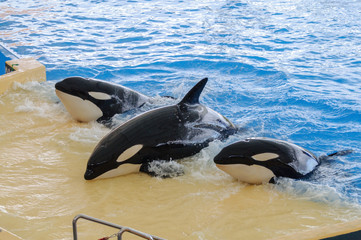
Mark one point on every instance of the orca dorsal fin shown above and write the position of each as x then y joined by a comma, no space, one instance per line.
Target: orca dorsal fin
192,97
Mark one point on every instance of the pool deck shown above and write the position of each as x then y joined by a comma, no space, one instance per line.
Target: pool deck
15,69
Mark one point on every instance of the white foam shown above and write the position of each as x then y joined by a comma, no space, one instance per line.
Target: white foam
40,108
30,86
178,91
166,168
159,101
201,167
38,99
3,210
313,192
88,133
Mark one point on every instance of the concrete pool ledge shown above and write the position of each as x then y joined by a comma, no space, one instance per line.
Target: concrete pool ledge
21,70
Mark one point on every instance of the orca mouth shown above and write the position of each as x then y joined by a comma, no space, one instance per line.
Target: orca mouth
218,159
225,159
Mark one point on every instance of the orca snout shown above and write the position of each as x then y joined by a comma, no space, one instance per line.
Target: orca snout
60,86
68,84
71,89
226,156
89,174
219,158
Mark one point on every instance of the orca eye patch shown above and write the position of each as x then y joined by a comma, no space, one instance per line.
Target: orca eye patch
100,95
130,152
265,156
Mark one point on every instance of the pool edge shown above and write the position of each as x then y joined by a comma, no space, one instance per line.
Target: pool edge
22,70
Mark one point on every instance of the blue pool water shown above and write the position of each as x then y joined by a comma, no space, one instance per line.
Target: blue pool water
284,69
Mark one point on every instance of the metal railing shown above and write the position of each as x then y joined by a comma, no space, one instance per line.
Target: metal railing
6,51
109,224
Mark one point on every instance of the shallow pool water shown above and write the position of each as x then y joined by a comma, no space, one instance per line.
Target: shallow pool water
284,69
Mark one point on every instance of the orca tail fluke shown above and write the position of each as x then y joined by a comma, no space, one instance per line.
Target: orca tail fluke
340,153
336,153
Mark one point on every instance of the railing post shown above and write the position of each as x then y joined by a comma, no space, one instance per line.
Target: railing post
120,228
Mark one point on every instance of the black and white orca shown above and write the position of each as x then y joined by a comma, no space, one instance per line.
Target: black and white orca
167,133
90,99
261,160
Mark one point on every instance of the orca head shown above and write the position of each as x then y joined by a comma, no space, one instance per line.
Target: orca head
108,160
247,161
258,160
306,160
82,97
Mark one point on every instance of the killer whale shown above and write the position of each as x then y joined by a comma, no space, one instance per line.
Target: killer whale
90,99
166,133
261,160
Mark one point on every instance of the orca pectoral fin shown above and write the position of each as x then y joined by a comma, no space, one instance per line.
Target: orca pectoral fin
272,180
163,169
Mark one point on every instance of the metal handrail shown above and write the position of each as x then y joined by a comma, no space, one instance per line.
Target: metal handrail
109,224
8,52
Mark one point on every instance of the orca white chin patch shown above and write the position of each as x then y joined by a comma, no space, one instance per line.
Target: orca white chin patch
254,174
123,169
81,110
265,156
100,95
130,152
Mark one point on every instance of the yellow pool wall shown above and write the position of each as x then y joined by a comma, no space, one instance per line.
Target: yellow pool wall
24,70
